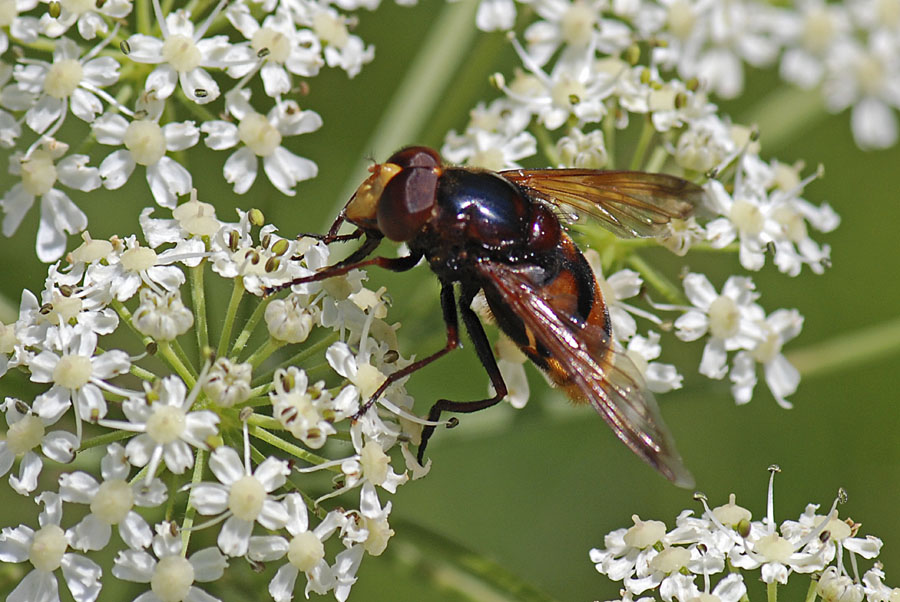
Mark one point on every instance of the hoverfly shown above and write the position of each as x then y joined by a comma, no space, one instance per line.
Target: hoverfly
497,232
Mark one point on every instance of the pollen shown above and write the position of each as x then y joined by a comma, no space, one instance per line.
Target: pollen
671,560
330,29
166,424
145,141
47,548
38,173
24,435
138,259
172,578
113,501
724,317
305,551
747,217
246,497
72,371
181,52
63,78
259,135
276,43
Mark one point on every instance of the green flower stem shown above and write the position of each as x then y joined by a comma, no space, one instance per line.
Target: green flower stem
668,289
647,133
848,350
126,316
144,13
422,90
105,439
772,592
265,422
190,512
456,568
142,373
249,326
198,299
811,592
259,395
300,358
784,113
657,159
185,360
609,138
165,350
546,144
287,447
268,348
237,293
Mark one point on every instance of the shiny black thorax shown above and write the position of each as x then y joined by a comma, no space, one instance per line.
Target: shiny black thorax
480,216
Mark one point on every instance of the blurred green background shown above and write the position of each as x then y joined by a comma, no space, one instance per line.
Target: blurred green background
534,490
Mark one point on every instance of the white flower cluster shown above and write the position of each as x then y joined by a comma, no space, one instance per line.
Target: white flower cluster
242,414
190,70
849,52
586,94
655,563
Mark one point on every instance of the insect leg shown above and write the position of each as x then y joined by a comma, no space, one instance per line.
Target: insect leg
483,350
394,264
448,306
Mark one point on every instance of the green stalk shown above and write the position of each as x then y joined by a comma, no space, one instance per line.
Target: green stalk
301,357
198,299
190,512
848,350
104,439
423,86
165,350
772,592
262,353
249,326
289,448
640,150
237,294
656,279
811,592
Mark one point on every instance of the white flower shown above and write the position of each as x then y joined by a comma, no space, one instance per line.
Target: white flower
584,150
511,362
132,265
308,412
260,138
731,320
70,82
20,26
91,17
183,56
170,575
488,150
25,432
162,316
243,496
281,48
781,377
40,172
625,549
146,143
810,30
305,551
341,48
577,25
46,549
78,375
290,319
660,378
167,428
111,503
493,15
228,382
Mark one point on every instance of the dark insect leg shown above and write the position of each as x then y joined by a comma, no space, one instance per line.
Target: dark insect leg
394,264
483,349
328,239
448,306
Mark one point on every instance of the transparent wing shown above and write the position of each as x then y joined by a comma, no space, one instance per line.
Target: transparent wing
591,368
629,203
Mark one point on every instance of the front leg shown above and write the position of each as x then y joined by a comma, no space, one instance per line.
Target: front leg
483,350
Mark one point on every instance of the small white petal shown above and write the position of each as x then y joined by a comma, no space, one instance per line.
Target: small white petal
234,537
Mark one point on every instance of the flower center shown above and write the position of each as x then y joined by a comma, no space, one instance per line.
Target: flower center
330,29
246,497
731,514
47,548
818,29
145,141
62,78
113,501
166,424
379,534
767,349
681,19
172,578
775,548
374,462
181,52
724,317
305,551
888,12
72,371
25,435
197,218
278,44
747,217
368,379
567,92
138,259
38,174
8,12
870,73
577,24
670,560
259,135
491,158
644,533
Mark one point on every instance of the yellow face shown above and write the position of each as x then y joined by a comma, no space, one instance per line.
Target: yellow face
362,207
